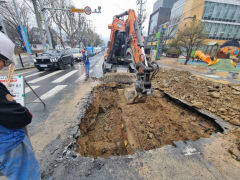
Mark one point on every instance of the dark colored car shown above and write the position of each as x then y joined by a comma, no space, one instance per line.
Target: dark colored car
54,59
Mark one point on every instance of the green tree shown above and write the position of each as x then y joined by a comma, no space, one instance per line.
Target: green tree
191,35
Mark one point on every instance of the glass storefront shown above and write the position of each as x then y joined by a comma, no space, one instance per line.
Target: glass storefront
222,20
221,12
176,14
153,24
222,31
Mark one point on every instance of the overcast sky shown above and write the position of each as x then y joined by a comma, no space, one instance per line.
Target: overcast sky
109,9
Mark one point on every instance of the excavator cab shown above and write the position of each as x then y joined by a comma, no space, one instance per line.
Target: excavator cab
126,61
119,49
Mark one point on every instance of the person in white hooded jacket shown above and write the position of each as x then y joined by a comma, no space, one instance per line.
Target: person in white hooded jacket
17,160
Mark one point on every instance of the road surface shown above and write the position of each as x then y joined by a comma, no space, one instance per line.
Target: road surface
54,129
54,86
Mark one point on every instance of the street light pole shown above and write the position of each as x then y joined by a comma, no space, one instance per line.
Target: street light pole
46,24
23,34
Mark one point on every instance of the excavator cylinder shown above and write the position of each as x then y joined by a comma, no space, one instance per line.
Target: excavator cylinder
139,35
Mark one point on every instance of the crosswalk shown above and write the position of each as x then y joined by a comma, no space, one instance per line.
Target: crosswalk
62,78
52,92
27,89
45,77
34,74
49,85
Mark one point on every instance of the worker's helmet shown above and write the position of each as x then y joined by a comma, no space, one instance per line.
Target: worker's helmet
6,49
83,51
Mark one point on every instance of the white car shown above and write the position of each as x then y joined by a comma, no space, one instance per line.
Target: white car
77,55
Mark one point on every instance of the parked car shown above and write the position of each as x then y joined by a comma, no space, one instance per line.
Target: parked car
77,55
173,52
54,59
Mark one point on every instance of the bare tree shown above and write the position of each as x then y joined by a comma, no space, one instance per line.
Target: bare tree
10,19
68,23
71,28
191,35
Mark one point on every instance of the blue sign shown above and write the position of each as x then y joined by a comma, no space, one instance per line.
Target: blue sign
21,36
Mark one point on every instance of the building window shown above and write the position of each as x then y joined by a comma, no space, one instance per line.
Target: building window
221,12
222,31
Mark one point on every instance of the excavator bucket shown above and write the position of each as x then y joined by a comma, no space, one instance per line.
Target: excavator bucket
120,78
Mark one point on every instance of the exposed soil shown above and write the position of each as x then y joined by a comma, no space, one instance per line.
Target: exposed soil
101,127
149,125
218,98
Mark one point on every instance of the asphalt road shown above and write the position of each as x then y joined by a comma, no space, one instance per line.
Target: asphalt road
53,86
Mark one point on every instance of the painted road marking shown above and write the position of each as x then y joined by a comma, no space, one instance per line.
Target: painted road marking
62,78
34,74
82,77
44,77
52,92
27,90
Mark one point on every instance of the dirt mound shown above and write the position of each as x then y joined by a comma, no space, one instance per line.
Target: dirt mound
220,99
110,127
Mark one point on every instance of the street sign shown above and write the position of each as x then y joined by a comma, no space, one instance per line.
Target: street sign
21,36
16,87
77,10
88,10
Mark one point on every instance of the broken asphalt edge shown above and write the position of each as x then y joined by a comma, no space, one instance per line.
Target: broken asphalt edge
62,155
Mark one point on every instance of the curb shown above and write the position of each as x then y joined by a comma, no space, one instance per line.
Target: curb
19,69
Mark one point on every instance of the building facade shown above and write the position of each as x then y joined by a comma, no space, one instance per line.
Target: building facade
157,5
157,18
161,14
163,3
221,18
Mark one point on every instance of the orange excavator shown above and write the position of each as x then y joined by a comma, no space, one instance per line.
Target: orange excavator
126,55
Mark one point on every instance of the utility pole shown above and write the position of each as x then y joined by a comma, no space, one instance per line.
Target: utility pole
141,9
23,34
39,23
2,25
46,24
2,22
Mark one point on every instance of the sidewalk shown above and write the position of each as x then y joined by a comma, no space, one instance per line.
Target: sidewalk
26,64
197,70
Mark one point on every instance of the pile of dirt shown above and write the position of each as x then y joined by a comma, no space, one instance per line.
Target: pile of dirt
220,99
110,127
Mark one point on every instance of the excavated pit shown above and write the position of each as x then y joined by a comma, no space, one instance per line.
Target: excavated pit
110,127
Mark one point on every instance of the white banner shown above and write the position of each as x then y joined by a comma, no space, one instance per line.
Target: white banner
16,88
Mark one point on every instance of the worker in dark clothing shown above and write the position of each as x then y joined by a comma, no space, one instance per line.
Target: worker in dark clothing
17,160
